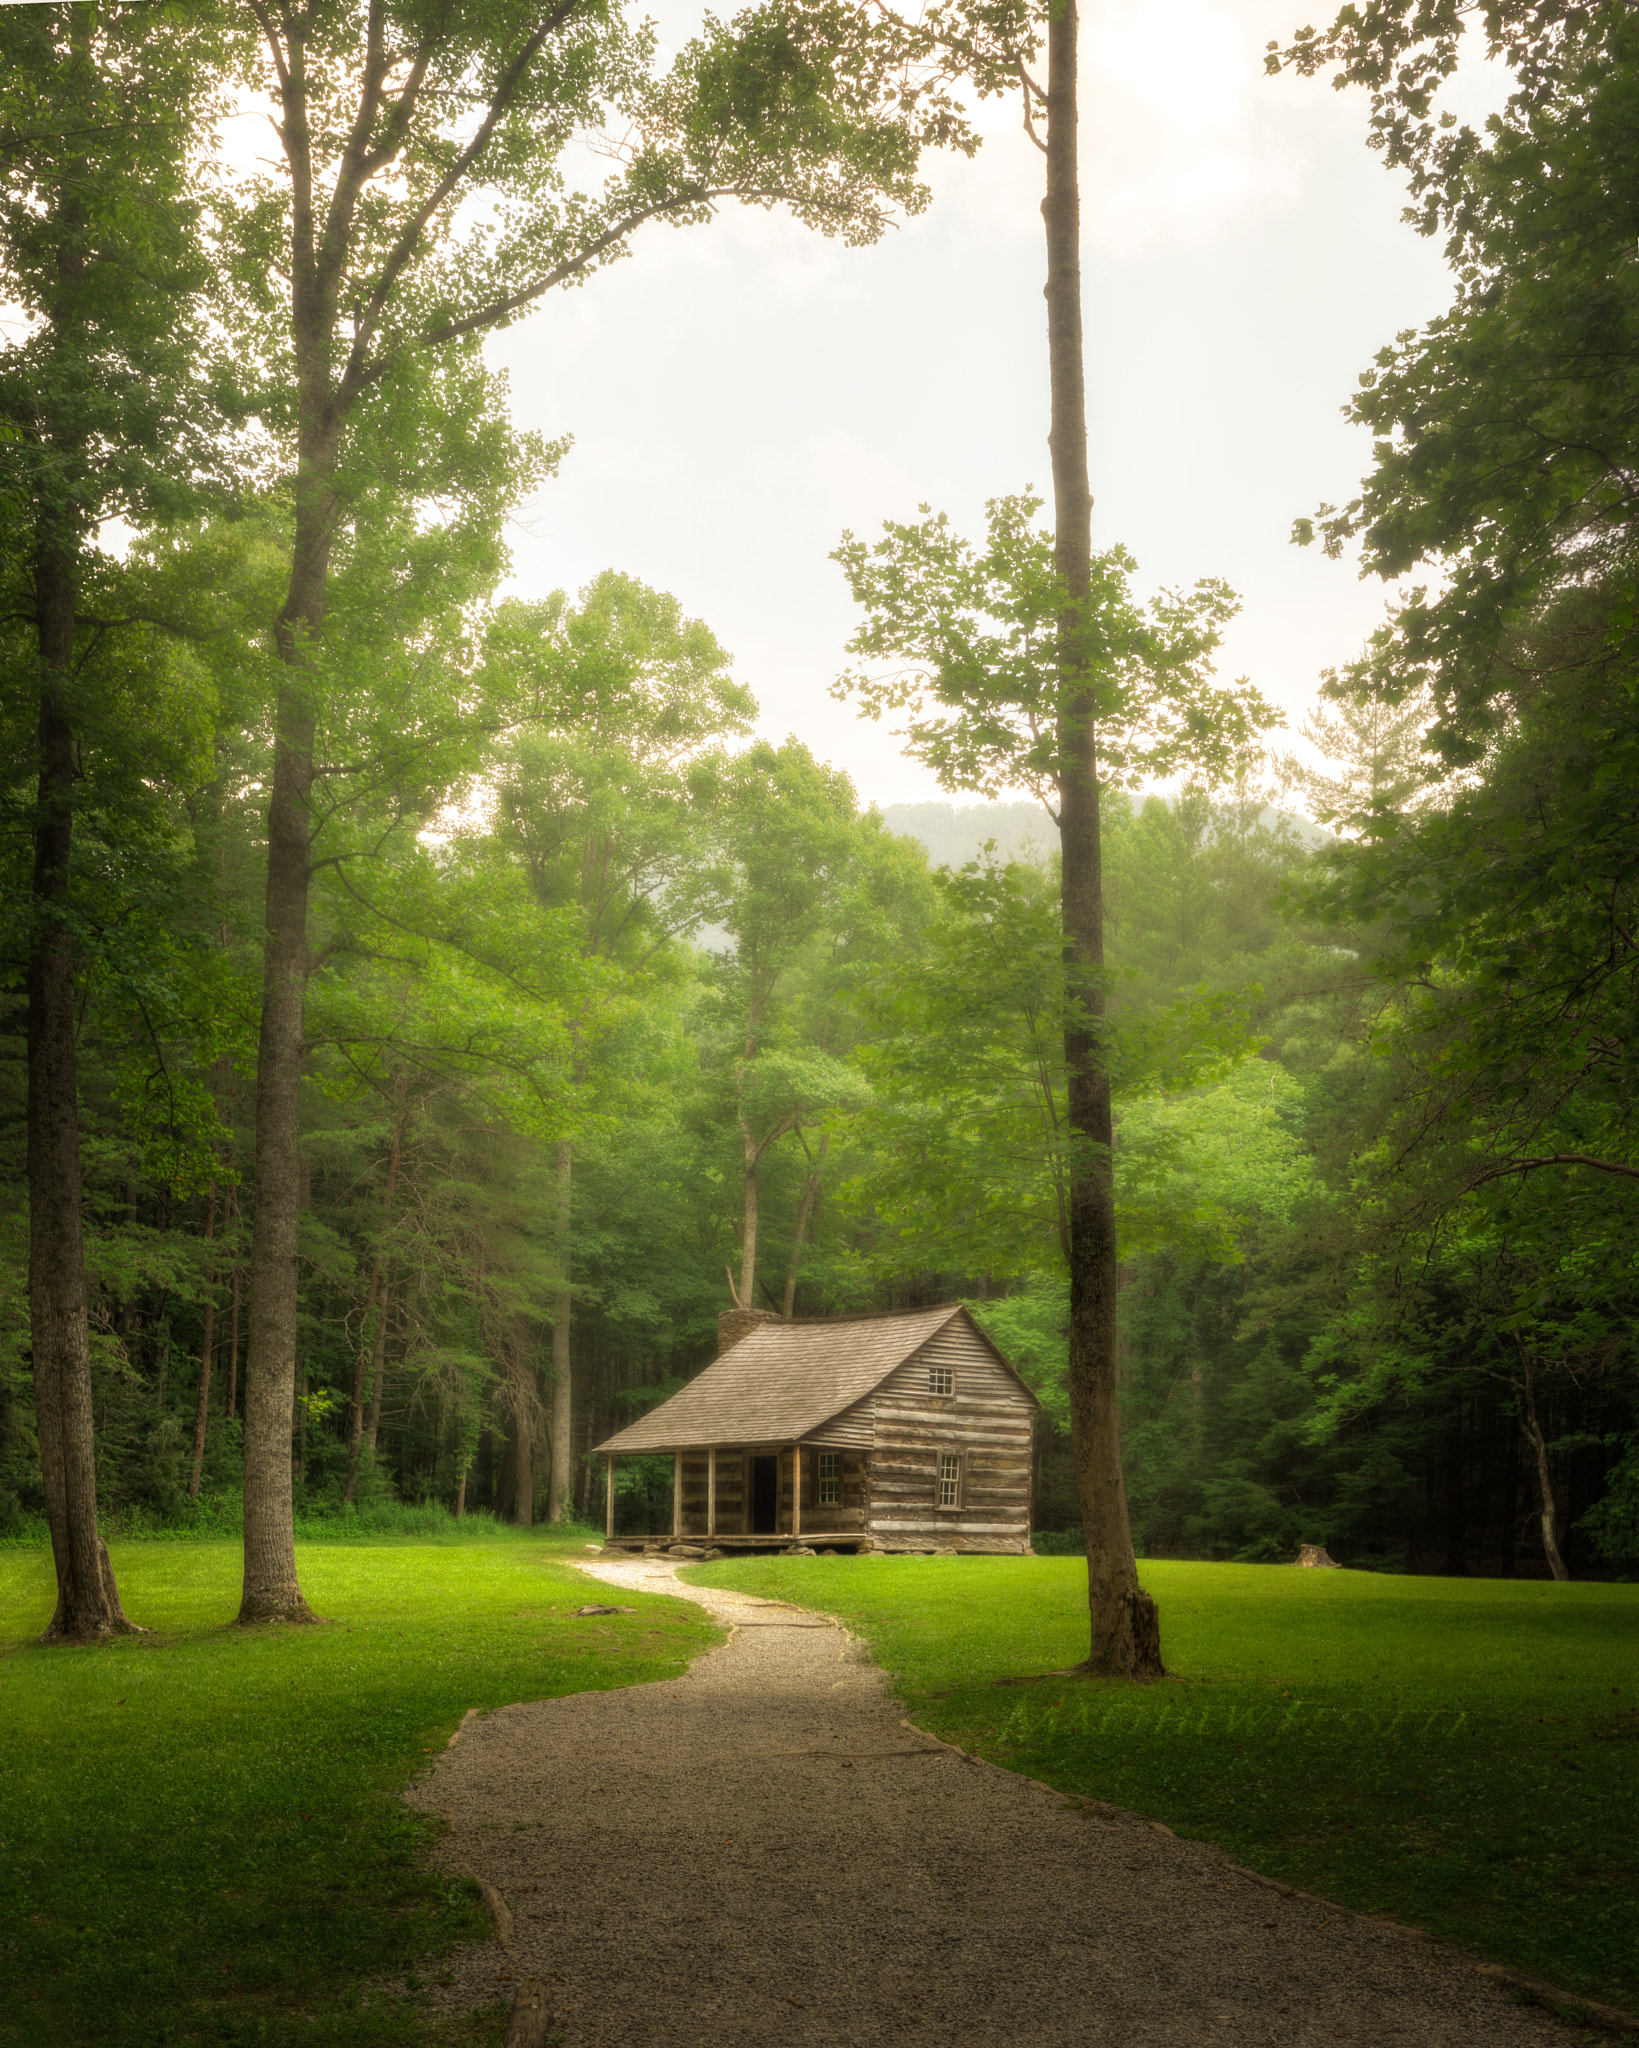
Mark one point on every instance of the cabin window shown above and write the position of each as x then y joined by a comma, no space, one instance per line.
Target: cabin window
950,1479
941,1379
830,1479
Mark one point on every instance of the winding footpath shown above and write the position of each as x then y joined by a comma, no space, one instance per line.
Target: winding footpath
764,1852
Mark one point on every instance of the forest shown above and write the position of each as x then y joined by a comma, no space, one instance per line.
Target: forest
448,990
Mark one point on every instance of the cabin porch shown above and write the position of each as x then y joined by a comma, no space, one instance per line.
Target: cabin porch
742,1497
850,1543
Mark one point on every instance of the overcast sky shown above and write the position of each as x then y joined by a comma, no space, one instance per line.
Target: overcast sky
740,393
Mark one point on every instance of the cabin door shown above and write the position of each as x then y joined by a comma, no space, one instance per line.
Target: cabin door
765,1496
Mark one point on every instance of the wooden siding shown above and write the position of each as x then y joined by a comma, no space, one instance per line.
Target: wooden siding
987,1418
853,1429
846,1516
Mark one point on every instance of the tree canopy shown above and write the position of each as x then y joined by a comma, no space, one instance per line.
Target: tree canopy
431,1006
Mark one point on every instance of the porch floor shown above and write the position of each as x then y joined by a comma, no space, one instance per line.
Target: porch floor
778,1539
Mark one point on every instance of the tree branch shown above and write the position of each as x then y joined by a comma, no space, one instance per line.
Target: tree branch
1031,89
360,373
409,239
1509,1166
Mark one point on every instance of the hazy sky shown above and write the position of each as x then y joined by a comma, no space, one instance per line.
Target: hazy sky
740,393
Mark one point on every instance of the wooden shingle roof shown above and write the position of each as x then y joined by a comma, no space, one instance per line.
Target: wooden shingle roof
782,1380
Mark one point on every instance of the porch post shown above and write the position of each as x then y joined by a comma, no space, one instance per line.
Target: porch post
796,1491
608,1497
711,1491
677,1493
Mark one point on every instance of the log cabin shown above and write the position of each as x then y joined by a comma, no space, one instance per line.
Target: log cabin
905,1431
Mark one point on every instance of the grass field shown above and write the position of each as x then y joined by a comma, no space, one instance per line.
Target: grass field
200,1833
1460,1753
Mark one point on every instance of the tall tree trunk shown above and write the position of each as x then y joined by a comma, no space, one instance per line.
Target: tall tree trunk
1545,1481
272,1591
805,1211
88,1604
523,1440
230,1404
1125,1627
748,1218
367,1335
557,1493
506,1481
751,1153
207,1345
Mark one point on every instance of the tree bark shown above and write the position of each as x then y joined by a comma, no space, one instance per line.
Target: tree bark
751,1152
1545,1483
230,1404
557,1495
271,1589
207,1345
1125,1626
805,1211
88,1605
523,1433
748,1217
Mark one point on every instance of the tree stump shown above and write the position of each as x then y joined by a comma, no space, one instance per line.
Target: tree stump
1316,1554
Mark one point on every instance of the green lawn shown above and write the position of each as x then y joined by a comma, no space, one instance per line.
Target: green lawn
1461,1753
200,1833
200,1838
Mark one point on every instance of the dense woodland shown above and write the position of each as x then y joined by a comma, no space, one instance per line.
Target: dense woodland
615,1014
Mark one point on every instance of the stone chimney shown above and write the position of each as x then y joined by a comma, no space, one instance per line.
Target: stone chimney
733,1324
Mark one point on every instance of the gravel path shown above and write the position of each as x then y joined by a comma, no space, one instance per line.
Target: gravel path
764,1852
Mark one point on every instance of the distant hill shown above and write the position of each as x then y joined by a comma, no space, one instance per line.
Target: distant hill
954,833
1304,830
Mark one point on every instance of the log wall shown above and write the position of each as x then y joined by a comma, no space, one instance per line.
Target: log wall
693,1520
848,1514
988,1418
